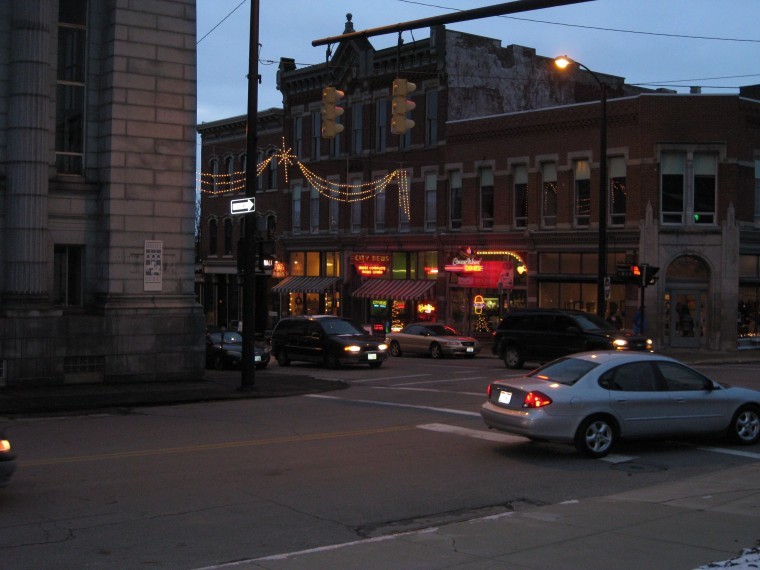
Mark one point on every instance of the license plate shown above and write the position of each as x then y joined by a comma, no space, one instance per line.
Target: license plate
505,397
372,356
257,358
470,349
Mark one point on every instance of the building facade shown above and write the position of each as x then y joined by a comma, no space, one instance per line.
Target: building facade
97,156
491,200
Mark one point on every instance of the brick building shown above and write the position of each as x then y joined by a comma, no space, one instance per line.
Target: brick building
503,168
97,155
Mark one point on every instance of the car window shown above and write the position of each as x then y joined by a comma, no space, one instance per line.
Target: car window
632,377
564,371
516,323
215,338
413,329
562,323
589,322
233,338
679,378
442,330
341,326
313,329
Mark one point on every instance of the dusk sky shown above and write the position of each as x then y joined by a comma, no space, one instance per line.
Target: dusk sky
655,43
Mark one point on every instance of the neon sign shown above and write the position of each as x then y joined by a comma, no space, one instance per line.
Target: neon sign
370,264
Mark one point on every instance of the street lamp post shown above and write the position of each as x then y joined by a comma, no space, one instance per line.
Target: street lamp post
601,303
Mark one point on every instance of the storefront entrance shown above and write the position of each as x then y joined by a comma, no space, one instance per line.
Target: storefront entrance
685,312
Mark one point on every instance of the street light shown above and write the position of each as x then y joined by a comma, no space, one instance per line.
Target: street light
562,62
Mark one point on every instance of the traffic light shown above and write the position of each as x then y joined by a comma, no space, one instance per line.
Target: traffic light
648,274
628,271
331,111
400,106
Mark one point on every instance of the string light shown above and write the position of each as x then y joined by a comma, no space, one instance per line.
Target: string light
215,184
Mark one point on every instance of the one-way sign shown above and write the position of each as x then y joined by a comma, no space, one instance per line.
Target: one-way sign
242,206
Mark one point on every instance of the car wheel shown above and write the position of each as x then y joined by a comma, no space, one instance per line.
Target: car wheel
395,349
219,363
595,437
282,358
331,361
745,425
436,351
513,357
376,364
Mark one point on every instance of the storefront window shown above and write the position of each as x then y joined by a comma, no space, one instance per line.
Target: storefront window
312,263
404,265
748,313
428,265
298,263
332,264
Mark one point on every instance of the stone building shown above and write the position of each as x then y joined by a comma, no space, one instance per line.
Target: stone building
97,193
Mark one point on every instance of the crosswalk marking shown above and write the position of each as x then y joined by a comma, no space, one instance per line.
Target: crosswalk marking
474,433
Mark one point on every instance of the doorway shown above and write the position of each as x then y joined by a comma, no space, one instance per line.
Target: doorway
685,312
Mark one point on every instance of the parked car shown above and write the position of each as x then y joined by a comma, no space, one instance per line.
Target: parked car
593,399
541,335
326,339
224,350
7,460
434,339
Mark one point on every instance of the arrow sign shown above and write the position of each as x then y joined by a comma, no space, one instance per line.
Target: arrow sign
242,206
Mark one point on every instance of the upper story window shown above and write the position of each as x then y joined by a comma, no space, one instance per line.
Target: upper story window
212,237
431,201
68,275
486,198
298,136
455,200
380,210
356,128
757,191
228,184
521,196
381,122
333,215
688,187
582,175
316,134
228,230
215,184
618,191
356,209
549,194
296,213
431,117
403,209
272,174
314,211
70,87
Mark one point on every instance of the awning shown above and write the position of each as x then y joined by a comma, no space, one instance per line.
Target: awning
305,284
401,289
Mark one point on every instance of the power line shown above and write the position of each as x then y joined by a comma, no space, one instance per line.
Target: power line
220,22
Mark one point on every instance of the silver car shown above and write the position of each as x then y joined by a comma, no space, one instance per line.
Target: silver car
593,399
433,339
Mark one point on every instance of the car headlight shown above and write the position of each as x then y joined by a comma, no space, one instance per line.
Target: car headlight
382,347
619,343
353,348
5,446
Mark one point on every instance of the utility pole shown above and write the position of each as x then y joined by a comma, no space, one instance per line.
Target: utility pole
248,366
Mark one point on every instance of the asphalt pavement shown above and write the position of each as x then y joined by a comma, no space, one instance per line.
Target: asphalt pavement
708,521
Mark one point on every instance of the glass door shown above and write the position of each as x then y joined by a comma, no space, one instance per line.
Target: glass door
685,318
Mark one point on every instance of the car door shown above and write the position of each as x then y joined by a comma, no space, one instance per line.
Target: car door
313,342
415,339
696,405
637,399
566,337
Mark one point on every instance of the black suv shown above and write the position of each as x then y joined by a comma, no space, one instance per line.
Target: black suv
326,339
541,335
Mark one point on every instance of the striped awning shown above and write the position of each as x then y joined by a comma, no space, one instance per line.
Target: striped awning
400,289
299,284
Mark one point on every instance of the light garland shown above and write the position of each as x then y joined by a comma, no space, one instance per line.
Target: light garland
215,184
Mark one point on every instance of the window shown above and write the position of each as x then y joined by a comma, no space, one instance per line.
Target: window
314,211
521,196
634,377
705,187
431,117
380,211
334,215
259,179
68,275
356,208
582,174
316,133
381,122
272,173
229,171
296,209
757,190
212,237
618,191
680,378
486,198
298,136
549,194
431,201
356,128
455,200
70,91
403,212
215,186
228,236
688,187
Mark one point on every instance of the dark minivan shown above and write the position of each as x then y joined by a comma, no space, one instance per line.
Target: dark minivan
326,339
541,335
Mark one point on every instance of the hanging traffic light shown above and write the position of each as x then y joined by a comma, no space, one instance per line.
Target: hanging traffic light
401,106
331,111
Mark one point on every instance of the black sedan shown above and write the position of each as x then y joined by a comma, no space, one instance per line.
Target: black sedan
224,350
7,460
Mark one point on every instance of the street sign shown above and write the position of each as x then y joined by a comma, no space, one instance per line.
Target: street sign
242,206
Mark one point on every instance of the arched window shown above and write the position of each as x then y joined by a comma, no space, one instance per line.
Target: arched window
212,237
228,236
214,164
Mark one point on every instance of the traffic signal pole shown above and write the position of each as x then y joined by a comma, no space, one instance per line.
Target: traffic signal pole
248,367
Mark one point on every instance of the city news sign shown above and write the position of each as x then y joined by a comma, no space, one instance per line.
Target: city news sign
242,206
370,264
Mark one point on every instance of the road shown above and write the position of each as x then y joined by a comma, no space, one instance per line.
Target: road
206,484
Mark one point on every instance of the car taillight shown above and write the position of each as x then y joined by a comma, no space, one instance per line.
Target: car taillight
536,400
488,391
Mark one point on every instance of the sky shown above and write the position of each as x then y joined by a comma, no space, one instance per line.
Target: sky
668,43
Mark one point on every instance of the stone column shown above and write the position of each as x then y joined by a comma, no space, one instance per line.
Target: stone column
29,153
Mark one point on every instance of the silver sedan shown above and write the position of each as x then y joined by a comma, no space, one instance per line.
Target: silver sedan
593,399
433,339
